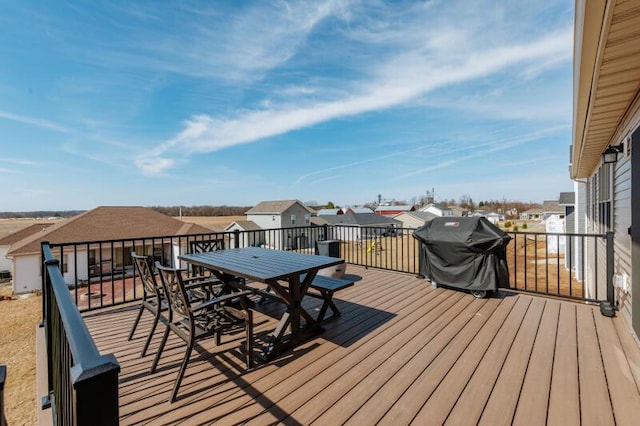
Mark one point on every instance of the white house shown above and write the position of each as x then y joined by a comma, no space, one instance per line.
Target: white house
99,224
361,226
251,234
606,118
283,214
414,220
438,209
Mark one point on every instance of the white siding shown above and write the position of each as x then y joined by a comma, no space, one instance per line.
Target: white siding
26,274
5,264
622,239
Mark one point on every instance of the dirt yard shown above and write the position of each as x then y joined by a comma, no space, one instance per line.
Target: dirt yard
19,318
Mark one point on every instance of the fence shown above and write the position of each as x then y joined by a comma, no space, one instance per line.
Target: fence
82,384
574,266
3,376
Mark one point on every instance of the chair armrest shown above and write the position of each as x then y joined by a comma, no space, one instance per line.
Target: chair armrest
220,299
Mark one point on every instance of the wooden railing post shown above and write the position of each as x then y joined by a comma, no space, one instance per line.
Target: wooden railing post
96,391
3,376
608,307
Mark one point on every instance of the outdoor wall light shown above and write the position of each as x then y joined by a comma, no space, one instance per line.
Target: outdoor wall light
610,155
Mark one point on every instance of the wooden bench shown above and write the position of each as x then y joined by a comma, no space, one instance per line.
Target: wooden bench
327,286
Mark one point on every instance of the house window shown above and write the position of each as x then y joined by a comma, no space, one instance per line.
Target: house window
92,257
293,219
601,190
307,219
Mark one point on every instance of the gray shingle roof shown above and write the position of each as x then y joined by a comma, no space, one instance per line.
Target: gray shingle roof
275,207
567,198
109,223
360,219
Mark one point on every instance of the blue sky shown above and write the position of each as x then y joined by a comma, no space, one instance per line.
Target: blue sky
193,103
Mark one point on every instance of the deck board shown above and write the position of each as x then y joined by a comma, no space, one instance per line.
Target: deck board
564,397
402,352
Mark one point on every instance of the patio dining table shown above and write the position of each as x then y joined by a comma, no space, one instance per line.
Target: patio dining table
287,274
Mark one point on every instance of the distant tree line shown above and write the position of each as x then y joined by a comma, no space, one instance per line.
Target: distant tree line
40,214
202,210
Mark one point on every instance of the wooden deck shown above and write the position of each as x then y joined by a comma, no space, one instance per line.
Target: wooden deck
402,352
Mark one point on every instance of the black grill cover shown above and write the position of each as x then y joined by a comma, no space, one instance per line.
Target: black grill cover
464,252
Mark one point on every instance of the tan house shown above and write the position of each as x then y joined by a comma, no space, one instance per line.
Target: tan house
99,224
606,120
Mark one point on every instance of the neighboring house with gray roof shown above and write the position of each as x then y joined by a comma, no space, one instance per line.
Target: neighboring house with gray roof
329,212
251,234
550,208
358,210
414,220
531,214
358,226
99,224
283,214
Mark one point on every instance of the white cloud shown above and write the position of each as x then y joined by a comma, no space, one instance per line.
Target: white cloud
402,79
37,122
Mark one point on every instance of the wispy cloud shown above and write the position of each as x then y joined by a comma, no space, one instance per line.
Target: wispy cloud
18,161
402,79
37,122
482,150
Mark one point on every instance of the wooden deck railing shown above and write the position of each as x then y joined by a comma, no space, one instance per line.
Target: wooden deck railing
82,383
3,376
573,266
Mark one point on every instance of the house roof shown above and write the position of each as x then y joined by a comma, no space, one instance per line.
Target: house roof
325,212
551,206
358,210
24,233
567,198
532,211
247,225
319,220
360,219
394,208
425,216
275,207
606,75
108,223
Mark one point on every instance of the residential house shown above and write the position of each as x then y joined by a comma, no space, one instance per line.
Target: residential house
99,224
361,226
458,211
283,214
438,209
552,208
531,214
414,220
393,210
358,210
606,118
251,234
7,241
329,212
494,217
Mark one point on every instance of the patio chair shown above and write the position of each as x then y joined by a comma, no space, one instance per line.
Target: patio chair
196,321
198,272
153,299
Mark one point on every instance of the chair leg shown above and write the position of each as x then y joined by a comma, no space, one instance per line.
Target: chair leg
183,367
249,347
135,323
160,349
150,336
